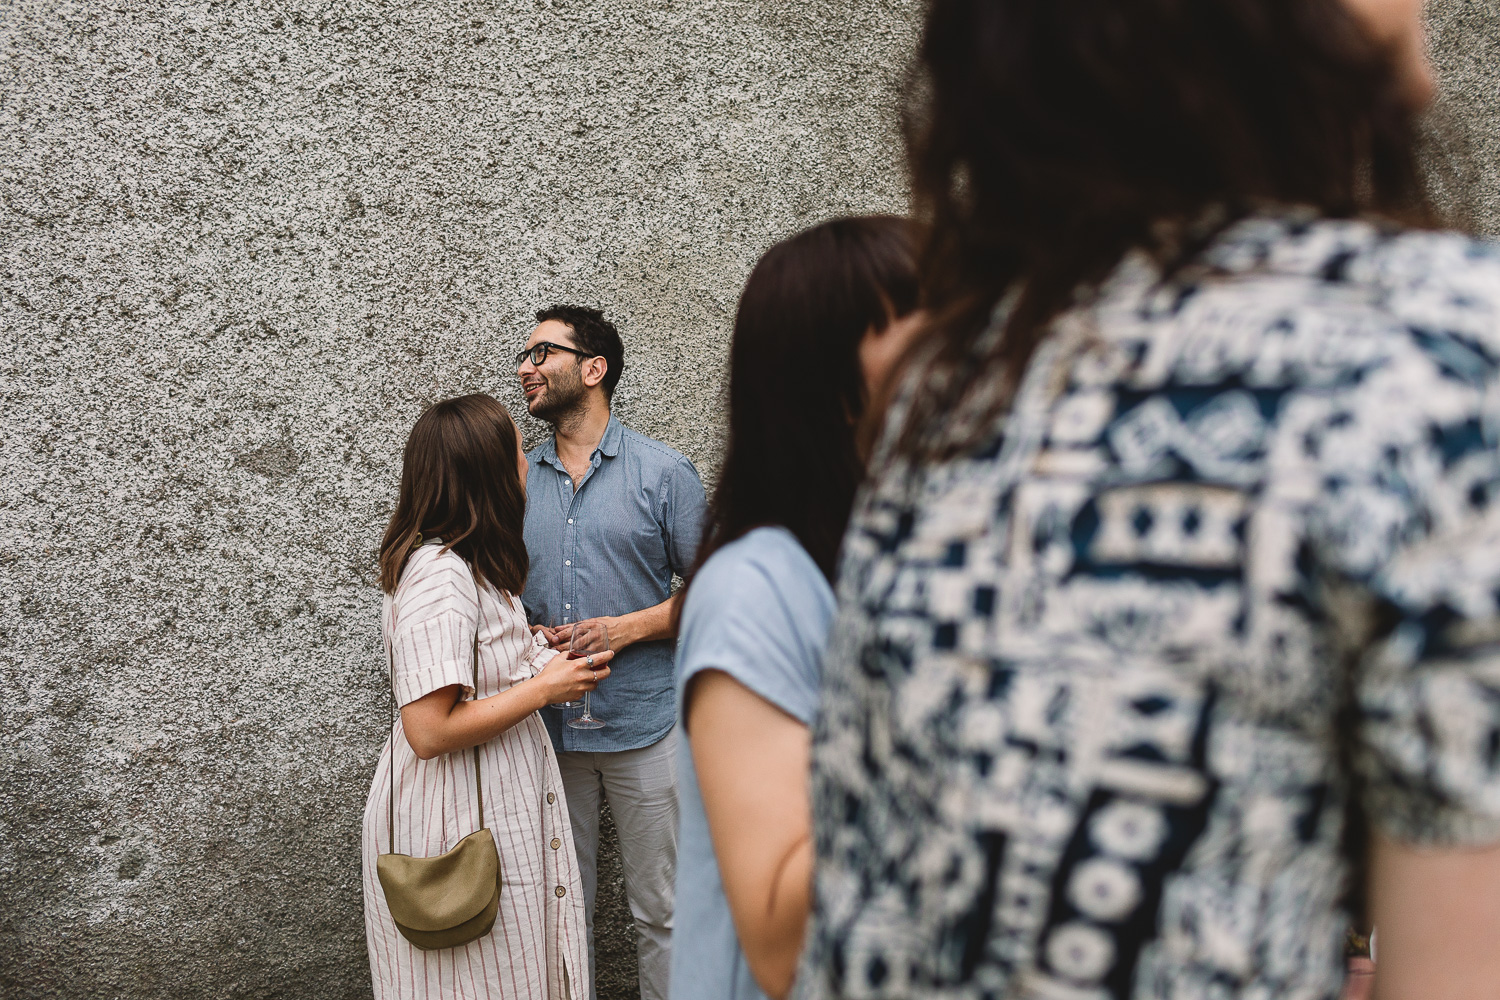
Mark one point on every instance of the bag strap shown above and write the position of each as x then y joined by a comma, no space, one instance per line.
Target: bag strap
390,651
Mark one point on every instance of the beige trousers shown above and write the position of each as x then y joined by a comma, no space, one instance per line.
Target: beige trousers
641,788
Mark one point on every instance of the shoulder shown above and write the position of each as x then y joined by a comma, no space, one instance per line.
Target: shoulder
1438,298
773,551
764,569
432,558
1298,301
1438,283
759,610
433,571
651,451
1432,280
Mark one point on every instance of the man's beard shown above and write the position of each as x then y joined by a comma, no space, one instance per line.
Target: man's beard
562,394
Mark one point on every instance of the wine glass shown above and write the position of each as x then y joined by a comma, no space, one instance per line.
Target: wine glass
562,704
588,638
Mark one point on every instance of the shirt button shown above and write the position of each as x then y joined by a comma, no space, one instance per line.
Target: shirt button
568,606
556,843
551,798
567,562
570,520
561,892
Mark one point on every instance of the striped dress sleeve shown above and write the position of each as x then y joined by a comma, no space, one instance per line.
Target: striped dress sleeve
435,618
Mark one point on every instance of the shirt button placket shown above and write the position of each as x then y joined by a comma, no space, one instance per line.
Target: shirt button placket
571,534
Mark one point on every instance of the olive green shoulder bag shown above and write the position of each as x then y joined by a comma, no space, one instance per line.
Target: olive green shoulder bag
452,899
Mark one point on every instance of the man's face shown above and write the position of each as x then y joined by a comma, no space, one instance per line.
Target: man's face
556,385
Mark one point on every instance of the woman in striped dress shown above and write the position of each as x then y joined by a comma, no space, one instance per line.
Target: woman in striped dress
452,566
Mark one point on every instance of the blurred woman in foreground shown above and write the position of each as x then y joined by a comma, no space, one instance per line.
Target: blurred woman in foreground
820,322
1172,608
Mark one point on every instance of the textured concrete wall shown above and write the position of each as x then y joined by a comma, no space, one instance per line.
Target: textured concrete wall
241,244
1463,157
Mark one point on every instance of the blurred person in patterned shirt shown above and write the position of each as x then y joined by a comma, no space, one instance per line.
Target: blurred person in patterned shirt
1170,619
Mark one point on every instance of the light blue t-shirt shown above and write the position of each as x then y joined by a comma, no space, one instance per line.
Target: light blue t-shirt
759,610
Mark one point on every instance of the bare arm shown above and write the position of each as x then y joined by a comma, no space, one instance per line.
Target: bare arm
752,762
1438,913
645,625
440,723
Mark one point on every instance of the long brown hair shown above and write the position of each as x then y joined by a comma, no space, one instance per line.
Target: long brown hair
459,483
796,391
1047,138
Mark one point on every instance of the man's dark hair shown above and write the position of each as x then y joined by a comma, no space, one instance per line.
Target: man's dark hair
594,334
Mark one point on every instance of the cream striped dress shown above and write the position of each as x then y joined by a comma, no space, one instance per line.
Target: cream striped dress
537,948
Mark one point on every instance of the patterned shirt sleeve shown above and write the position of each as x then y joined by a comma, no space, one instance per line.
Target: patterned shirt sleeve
436,616
1408,528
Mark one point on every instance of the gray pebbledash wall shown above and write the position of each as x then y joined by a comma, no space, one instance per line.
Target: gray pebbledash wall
241,246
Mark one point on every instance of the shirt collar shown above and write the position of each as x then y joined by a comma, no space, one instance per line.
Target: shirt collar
609,444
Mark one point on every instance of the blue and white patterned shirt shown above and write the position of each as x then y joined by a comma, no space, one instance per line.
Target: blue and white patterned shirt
1104,689
609,549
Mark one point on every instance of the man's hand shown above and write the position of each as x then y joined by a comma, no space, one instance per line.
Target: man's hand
621,633
624,630
556,636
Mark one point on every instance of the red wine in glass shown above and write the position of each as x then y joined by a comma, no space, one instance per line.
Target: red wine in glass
589,638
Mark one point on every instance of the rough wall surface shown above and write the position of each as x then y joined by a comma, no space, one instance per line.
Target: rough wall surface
1463,155
241,245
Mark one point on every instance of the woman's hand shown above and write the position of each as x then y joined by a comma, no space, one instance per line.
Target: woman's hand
566,679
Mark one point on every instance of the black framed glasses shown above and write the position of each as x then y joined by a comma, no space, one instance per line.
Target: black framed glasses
538,352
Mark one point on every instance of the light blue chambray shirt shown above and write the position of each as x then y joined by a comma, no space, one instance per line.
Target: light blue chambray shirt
609,549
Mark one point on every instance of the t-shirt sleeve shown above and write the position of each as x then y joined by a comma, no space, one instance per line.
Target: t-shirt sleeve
434,621
1411,524
760,613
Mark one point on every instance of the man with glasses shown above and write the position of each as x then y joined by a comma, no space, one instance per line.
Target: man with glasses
611,517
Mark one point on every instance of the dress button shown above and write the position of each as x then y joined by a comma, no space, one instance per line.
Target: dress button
556,843
551,798
561,892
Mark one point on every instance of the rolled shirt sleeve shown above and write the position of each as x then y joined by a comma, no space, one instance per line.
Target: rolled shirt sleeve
687,506
435,616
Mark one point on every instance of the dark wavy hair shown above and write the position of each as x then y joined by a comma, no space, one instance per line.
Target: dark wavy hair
594,334
459,482
796,390
1048,138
